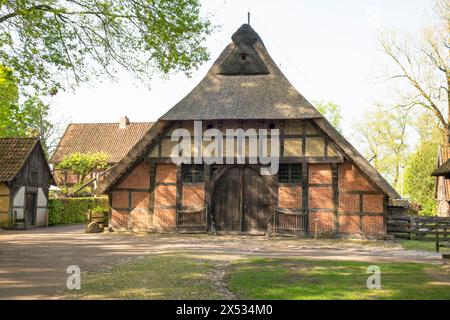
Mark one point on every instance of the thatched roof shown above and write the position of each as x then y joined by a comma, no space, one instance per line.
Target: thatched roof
236,89
111,138
442,170
443,164
243,83
14,152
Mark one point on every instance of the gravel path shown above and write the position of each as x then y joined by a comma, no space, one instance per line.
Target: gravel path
33,263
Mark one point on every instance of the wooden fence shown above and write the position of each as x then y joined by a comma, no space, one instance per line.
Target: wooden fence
192,220
418,228
290,221
99,217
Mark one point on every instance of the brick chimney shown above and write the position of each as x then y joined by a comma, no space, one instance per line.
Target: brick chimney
124,122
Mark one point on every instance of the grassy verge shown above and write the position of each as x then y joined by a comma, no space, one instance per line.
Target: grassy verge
418,245
306,279
151,277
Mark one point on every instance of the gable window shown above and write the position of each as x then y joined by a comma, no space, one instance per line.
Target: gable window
192,173
290,173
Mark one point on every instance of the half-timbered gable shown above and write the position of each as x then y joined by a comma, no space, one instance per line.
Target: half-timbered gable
25,178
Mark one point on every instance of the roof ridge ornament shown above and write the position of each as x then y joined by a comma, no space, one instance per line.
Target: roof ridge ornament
244,60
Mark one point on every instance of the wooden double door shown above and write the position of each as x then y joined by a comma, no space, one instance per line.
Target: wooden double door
243,200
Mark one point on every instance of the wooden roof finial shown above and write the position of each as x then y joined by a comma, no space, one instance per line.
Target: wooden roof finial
248,17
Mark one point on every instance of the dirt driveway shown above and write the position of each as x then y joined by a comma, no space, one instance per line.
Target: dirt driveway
33,263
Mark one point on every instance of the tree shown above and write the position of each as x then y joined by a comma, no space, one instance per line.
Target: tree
52,44
29,118
34,122
422,67
84,163
419,184
382,134
9,93
331,111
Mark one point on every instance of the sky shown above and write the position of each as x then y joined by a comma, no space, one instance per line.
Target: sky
328,50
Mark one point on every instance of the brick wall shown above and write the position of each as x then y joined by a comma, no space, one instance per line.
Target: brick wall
361,205
120,199
119,219
349,203
373,226
290,197
325,223
373,203
351,179
166,173
139,178
164,215
130,200
321,198
139,212
349,224
319,173
193,196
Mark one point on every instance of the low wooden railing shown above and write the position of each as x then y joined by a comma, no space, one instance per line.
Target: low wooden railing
192,220
290,220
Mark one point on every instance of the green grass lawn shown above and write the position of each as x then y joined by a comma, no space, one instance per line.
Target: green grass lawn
307,279
184,276
151,277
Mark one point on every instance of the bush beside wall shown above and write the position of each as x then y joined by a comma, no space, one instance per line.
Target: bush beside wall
73,210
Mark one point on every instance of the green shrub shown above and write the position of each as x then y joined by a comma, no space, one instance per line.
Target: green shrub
74,210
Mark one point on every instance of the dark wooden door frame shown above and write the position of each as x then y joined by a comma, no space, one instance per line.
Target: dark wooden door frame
271,182
34,214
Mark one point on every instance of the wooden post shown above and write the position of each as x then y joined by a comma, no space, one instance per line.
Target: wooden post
361,213
437,238
305,196
178,196
241,198
315,228
151,202
411,228
335,191
208,194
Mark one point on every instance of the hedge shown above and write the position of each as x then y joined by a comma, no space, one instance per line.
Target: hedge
74,210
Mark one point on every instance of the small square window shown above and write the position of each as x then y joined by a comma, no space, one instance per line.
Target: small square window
290,173
192,173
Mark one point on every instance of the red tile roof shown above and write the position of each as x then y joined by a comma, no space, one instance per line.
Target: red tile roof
13,154
100,137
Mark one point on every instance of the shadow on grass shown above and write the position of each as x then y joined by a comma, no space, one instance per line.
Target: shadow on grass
164,276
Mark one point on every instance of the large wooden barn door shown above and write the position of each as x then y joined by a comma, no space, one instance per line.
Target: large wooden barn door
242,201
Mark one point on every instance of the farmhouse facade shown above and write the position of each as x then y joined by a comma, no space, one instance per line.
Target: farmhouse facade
114,139
323,185
25,179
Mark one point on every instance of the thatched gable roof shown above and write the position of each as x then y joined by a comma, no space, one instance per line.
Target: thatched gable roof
14,153
245,92
243,83
110,138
